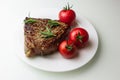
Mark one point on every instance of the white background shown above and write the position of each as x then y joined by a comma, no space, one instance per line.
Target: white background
103,14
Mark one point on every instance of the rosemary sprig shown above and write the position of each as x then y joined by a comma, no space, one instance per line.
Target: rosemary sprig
47,33
30,20
53,23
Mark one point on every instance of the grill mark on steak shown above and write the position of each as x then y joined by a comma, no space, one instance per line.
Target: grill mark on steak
35,44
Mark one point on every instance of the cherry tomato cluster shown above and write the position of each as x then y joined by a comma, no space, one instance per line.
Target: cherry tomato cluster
77,36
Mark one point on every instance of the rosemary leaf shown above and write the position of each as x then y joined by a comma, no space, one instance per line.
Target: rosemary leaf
48,33
30,20
53,23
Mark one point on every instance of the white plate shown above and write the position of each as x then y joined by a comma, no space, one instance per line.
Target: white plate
55,62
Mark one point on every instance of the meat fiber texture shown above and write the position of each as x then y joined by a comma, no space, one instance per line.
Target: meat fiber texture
36,44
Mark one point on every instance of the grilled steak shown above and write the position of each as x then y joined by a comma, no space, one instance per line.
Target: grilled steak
42,36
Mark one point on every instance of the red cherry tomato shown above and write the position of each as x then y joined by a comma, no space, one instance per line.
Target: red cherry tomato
67,15
79,36
67,50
